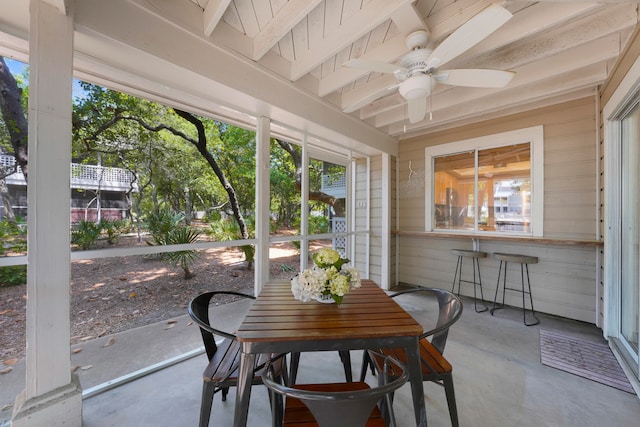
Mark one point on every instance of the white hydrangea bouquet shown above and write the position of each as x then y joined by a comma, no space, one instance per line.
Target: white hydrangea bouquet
329,277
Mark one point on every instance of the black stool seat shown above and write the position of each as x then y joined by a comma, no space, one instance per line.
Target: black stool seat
524,261
457,277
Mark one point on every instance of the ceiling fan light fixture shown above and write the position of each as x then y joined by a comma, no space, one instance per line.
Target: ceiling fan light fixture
416,86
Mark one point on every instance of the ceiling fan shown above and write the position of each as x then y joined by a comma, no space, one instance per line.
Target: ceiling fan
418,72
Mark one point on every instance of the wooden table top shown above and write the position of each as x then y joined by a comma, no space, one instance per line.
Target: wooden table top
365,313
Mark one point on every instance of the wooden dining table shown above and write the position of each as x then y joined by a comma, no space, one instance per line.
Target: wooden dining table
367,318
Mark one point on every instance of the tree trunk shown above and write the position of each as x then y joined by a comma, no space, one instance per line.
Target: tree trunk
13,115
201,145
335,203
6,202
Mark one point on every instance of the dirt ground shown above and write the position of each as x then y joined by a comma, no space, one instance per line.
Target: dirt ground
110,295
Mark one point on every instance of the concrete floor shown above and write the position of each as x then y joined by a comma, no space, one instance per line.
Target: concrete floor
498,377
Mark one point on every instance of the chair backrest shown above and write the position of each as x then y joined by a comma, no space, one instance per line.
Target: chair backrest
343,406
199,312
449,311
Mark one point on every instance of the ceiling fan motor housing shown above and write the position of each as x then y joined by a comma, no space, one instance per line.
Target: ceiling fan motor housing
416,86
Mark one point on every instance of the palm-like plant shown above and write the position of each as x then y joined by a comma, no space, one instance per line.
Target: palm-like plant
183,259
166,229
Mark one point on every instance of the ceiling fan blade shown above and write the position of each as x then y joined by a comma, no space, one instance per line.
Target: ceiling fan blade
371,65
469,34
475,77
417,109
370,98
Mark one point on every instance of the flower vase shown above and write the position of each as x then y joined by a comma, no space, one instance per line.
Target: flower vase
326,299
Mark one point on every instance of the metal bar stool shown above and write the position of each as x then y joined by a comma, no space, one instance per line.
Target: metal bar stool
457,277
524,261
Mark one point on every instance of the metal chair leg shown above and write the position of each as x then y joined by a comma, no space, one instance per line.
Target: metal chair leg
208,390
345,357
451,399
524,310
293,371
476,265
366,363
457,276
495,298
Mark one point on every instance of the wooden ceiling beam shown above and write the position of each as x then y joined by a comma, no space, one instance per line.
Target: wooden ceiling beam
543,44
360,23
408,20
536,19
571,60
585,79
61,5
389,52
286,18
358,94
213,14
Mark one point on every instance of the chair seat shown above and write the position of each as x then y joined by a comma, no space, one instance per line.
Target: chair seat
223,353
224,362
222,370
433,363
435,368
298,415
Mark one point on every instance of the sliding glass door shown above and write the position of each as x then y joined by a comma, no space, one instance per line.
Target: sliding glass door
630,231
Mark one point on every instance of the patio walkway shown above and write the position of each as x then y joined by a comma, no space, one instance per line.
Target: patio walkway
497,372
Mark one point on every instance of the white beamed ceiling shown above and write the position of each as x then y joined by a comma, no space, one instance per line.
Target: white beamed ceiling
559,49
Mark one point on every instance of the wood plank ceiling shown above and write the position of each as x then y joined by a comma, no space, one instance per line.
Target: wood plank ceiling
559,50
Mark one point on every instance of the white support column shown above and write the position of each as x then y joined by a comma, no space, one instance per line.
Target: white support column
385,229
263,211
52,395
304,208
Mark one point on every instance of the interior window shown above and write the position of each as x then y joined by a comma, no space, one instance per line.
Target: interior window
487,188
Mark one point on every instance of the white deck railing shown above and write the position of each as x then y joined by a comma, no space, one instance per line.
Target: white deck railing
333,185
86,177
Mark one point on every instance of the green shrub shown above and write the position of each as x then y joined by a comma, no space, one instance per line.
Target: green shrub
13,275
161,223
13,237
319,225
113,229
85,234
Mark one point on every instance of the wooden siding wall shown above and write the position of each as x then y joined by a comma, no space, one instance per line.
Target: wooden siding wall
375,212
564,281
371,206
361,202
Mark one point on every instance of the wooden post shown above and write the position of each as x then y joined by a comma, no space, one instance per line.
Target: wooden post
263,135
52,395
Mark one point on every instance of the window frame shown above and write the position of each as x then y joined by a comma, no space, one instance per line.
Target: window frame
533,135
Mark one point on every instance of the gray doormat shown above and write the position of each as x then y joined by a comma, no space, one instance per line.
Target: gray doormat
587,359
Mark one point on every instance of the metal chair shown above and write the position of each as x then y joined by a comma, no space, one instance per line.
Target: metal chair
345,358
348,404
435,367
224,355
